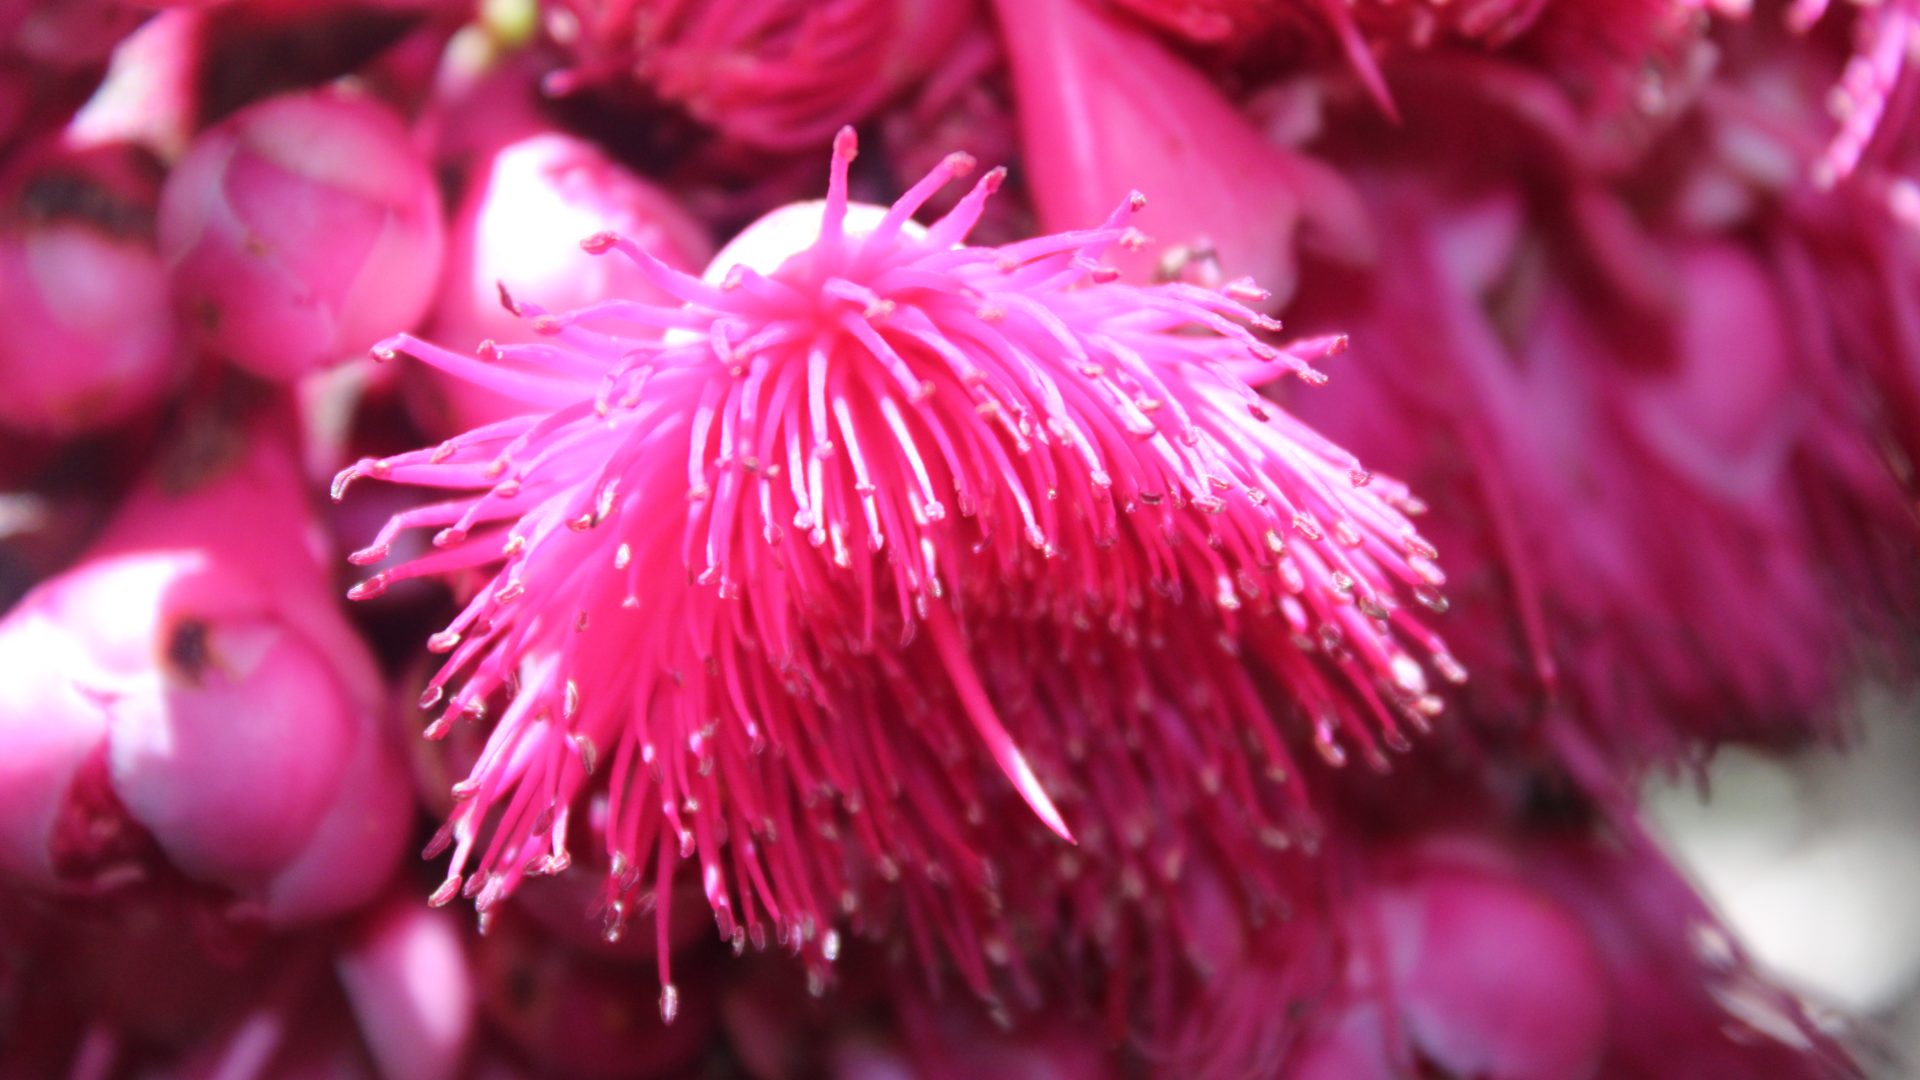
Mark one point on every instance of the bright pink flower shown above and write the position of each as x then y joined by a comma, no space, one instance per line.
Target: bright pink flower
500,241
781,75
869,433
299,229
124,755
89,340
1104,109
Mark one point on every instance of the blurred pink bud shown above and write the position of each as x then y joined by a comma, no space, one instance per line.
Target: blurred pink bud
145,660
89,339
481,101
1727,411
50,776
518,202
151,95
1468,973
783,78
573,1017
404,968
1104,109
299,230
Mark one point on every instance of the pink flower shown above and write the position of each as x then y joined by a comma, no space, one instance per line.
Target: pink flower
124,760
297,229
783,75
90,340
869,433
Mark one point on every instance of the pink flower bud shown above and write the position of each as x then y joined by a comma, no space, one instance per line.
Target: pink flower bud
298,230
144,655
152,92
1104,110
1729,409
519,200
1476,975
89,339
404,968
50,786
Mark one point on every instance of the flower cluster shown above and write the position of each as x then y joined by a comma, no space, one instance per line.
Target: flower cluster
927,615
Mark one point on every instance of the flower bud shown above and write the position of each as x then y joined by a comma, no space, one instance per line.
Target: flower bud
299,230
528,193
152,93
404,968
188,694
1486,976
1726,413
90,338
